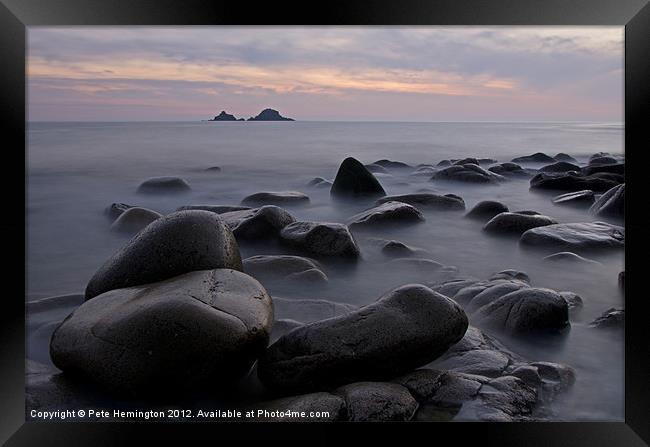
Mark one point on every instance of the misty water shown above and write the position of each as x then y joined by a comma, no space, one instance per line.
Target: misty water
75,170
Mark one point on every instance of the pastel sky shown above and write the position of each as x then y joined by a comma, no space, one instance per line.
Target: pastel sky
326,73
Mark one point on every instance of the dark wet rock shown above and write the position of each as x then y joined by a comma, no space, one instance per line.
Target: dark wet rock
516,223
329,406
353,179
134,219
573,300
428,201
614,168
321,239
376,169
486,210
162,185
611,319
481,362
511,274
454,389
572,181
556,377
182,333
612,203
178,243
276,198
604,160
469,173
269,115
537,157
569,257
425,170
219,209
565,157
308,311
621,280
465,161
269,268
258,223
583,198
399,249
444,163
502,399
526,310
421,383
377,401
406,328
115,210
46,388
509,169
560,166
282,326
493,291
386,214
576,236
527,213
319,182
213,169
599,155
453,286
391,164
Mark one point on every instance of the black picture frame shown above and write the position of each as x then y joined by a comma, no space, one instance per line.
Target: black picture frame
16,15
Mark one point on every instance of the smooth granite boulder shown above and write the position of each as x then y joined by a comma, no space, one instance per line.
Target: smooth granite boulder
526,310
428,201
613,168
611,319
195,330
392,164
604,160
561,156
560,166
516,223
178,243
163,185
612,203
321,239
486,210
397,249
573,181
538,157
270,268
583,198
115,210
388,213
576,236
353,179
219,209
377,402
468,173
406,328
276,198
509,169
258,223
134,219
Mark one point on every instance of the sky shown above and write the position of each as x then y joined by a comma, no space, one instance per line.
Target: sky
326,73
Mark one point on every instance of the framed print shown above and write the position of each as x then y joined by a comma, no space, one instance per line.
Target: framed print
255,219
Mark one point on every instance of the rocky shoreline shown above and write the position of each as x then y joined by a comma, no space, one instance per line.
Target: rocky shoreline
177,317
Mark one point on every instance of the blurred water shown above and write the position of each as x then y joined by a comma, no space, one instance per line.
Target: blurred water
76,169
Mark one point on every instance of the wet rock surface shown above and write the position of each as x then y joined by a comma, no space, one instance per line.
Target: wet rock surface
576,236
353,179
424,201
162,185
258,223
388,213
321,239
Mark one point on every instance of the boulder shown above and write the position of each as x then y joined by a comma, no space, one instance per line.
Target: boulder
219,209
406,328
482,362
282,326
319,182
614,168
269,268
611,319
509,169
604,160
134,219
388,213
465,161
516,223
565,157
573,300
444,163
560,166
468,173
180,334
275,198
526,310
321,239
163,185
258,223
538,157
576,236
391,164
511,274
178,243
493,291
377,402
612,203
397,249
428,201
114,210
353,179
582,198
573,181
486,210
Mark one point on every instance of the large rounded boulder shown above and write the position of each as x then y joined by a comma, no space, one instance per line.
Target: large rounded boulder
486,210
321,239
178,243
576,236
276,198
194,331
516,223
538,157
134,219
468,173
612,203
428,201
406,328
527,310
583,198
284,267
353,179
258,223
162,185
388,213
560,166
573,181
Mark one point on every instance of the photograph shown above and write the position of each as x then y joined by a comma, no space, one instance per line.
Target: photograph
325,223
